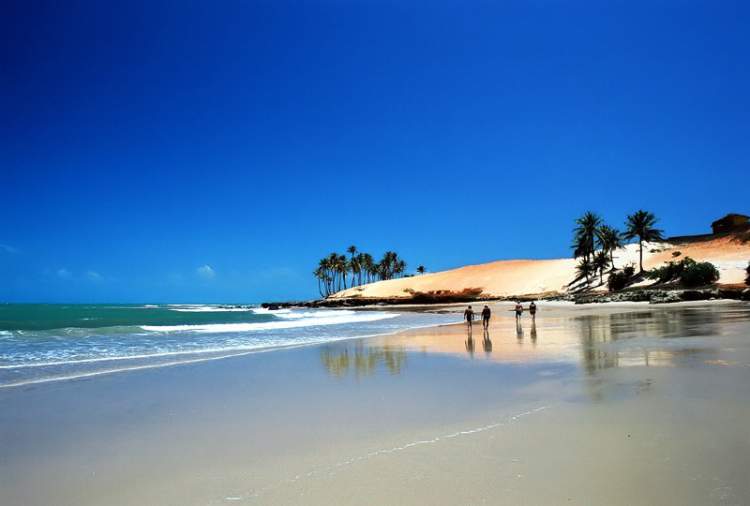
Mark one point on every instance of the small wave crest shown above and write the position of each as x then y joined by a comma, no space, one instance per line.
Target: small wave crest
207,308
309,319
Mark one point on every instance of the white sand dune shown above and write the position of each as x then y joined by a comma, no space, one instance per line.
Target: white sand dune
506,278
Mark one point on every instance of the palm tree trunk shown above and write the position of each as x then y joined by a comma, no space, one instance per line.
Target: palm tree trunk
640,252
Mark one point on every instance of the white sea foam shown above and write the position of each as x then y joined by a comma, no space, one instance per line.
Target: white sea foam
207,308
313,319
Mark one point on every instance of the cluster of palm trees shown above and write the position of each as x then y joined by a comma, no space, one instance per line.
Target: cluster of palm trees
595,242
337,272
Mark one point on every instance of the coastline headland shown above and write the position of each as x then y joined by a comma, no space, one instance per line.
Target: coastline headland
556,279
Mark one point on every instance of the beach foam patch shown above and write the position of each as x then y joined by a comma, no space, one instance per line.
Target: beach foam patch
312,319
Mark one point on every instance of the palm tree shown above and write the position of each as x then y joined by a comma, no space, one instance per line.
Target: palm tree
367,265
609,240
585,233
601,262
319,274
399,268
342,267
585,268
352,250
641,225
420,269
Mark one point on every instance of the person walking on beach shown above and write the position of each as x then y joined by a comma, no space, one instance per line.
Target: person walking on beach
519,310
469,316
486,314
532,310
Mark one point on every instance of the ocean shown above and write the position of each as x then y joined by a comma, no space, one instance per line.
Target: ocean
42,343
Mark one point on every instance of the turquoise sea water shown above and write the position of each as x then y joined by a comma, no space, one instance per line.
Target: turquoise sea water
52,342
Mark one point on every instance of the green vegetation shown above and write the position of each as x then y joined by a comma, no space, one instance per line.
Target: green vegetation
585,268
687,272
595,242
585,235
620,279
601,262
334,270
420,269
700,274
609,240
444,296
641,225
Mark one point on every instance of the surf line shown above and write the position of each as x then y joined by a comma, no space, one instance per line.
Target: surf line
332,469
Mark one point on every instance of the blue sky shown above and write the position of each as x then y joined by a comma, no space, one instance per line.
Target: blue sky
214,151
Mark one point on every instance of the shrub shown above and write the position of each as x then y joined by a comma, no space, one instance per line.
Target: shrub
620,279
676,253
699,274
747,279
629,270
616,281
687,271
669,272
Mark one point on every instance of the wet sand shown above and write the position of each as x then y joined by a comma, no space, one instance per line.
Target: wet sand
631,404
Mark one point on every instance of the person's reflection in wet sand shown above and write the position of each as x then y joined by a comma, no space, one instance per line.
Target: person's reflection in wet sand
470,346
533,331
486,342
519,330
469,343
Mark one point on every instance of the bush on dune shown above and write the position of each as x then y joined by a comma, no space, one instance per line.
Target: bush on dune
687,272
699,274
467,294
620,279
616,281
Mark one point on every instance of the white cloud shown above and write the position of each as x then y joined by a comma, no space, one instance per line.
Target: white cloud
64,273
8,249
93,276
205,272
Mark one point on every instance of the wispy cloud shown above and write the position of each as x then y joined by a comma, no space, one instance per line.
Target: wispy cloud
206,272
93,276
64,273
6,248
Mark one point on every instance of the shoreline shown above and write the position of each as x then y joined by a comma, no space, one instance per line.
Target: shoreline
397,334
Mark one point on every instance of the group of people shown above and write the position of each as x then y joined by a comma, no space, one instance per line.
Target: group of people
486,314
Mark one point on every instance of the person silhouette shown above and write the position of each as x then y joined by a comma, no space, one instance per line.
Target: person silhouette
519,310
469,316
532,310
486,315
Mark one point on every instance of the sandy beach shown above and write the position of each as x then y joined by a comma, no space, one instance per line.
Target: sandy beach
604,404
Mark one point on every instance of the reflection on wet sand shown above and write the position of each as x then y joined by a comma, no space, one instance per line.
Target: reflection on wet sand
598,339
469,345
486,342
363,360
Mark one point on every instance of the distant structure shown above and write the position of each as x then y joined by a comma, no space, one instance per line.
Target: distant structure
731,223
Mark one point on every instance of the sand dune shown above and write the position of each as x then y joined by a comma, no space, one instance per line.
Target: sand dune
506,278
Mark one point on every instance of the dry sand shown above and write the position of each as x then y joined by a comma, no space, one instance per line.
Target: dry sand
507,278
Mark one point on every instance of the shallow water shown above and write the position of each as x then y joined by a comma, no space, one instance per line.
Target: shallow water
52,342
588,405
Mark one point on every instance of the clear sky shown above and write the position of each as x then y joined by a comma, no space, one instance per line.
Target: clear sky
213,151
